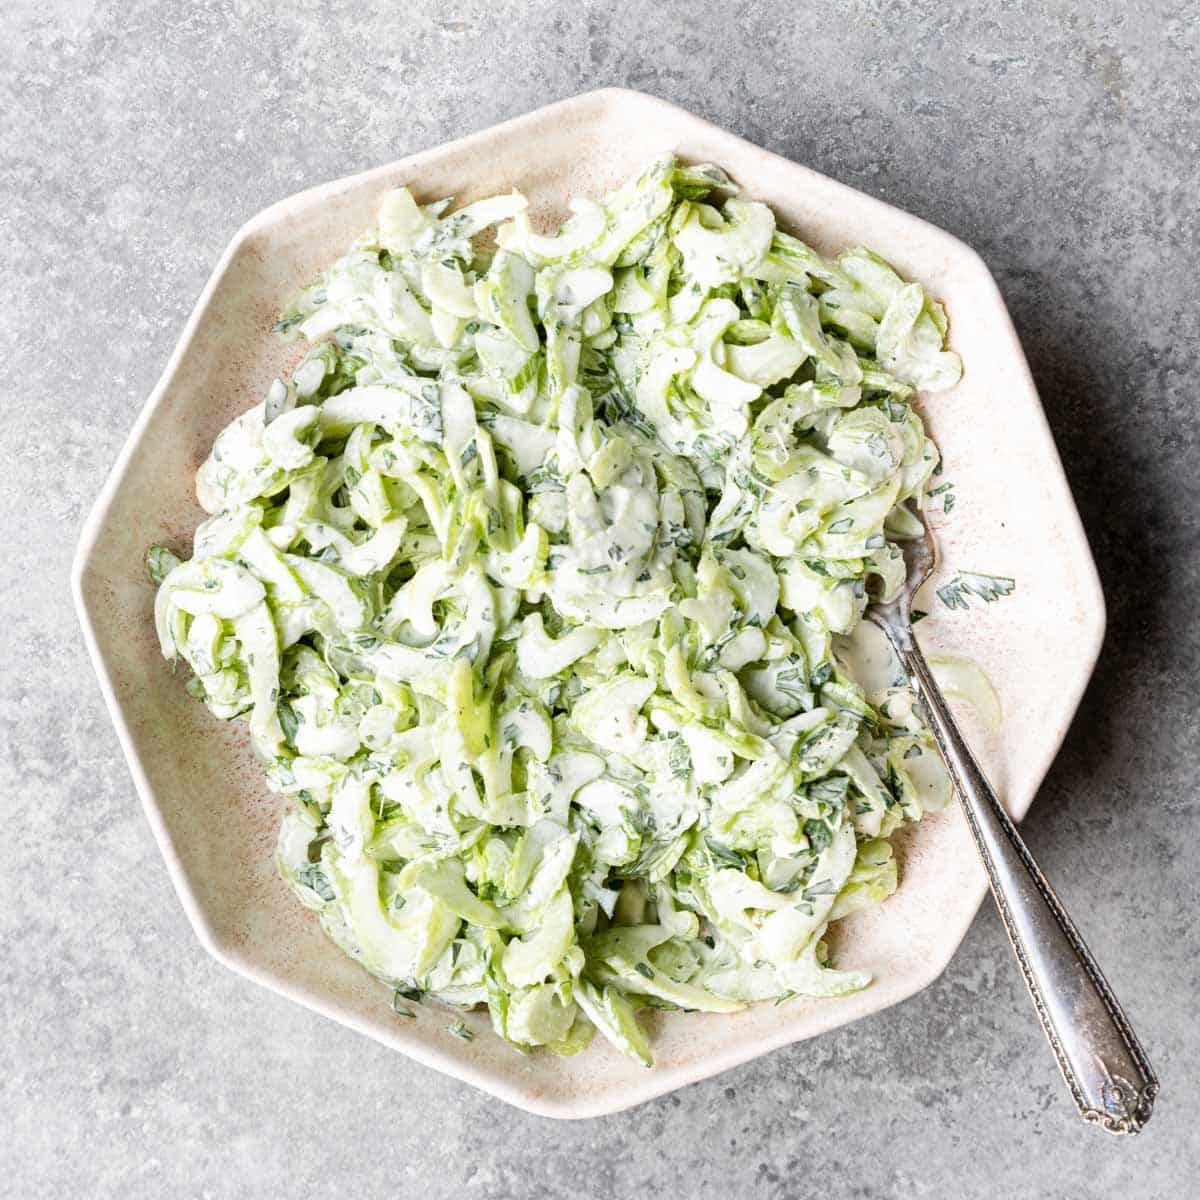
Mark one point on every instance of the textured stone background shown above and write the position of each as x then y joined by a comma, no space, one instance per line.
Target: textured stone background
1059,139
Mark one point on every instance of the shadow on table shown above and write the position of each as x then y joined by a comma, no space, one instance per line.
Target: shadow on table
1090,404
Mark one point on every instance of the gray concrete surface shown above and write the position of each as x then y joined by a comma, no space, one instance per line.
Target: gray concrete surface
1059,139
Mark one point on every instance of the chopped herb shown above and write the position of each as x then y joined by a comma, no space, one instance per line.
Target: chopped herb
544,479
724,854
313,878
946,491
289,720
831,790
679,759
819,835
969,583
398,1005
826,887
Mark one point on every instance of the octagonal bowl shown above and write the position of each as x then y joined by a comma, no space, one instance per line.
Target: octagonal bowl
215,821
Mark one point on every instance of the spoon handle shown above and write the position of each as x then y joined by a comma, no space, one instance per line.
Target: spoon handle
1098,1053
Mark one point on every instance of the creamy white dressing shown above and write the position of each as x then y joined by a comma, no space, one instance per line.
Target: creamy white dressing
540,584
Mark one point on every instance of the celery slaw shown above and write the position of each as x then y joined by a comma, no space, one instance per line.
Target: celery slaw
533,583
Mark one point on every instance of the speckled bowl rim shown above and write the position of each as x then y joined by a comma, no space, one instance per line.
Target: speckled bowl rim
1088,627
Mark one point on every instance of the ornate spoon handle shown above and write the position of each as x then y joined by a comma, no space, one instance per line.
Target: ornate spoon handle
1097,1051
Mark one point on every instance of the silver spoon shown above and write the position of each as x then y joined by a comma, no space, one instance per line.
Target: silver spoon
1099,1055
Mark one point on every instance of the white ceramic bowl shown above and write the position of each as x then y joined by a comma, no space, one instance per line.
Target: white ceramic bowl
202,792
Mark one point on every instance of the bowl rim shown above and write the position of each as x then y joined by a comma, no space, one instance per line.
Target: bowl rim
509,1087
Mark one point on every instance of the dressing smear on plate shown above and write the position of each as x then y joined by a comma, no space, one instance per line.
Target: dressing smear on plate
536,584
